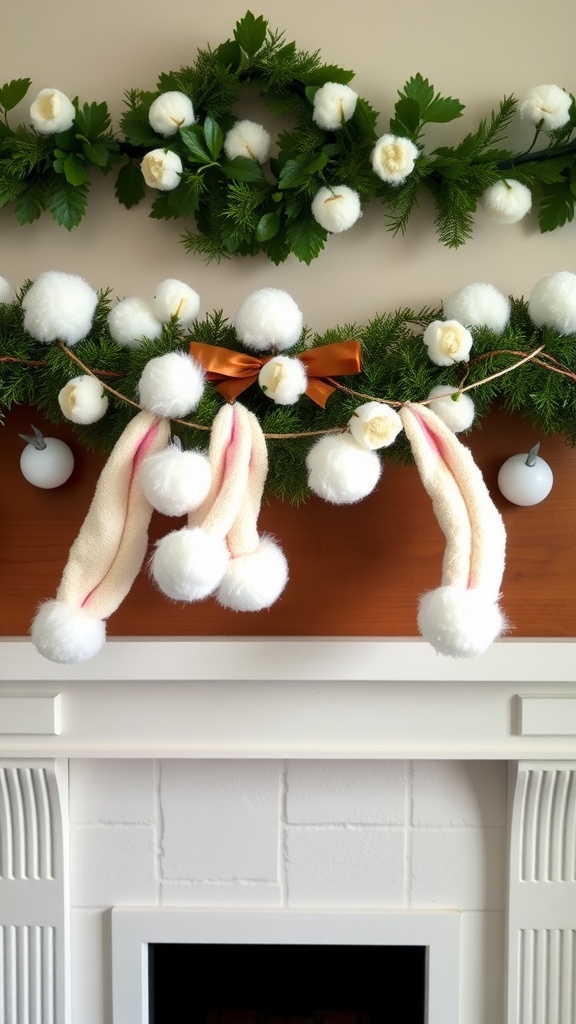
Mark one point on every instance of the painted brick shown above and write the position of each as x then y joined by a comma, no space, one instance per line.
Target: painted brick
354,792
458,869
456,793
115,791
112,865
341,867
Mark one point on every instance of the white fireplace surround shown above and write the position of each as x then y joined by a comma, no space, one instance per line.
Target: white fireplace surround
315,700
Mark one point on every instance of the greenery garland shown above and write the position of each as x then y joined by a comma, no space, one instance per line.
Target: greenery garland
525,368
243,207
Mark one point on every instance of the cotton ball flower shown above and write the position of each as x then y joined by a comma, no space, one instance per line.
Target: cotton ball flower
6,292
174,298
336,208
333,104
548,104
507,201
170,112
268,318
340,471
66,635
478,305
188,565
171,385
253,582
132,320
161,169
248,139
59,306
283,380
83,400
52,112
458,414
447,342
175,481
459,622
393,158
375,425
553,302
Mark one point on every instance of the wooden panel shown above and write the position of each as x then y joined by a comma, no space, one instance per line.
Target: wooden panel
354,571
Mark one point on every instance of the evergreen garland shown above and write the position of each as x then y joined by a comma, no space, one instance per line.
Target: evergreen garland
242,207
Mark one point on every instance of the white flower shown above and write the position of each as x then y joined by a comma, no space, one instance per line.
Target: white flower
169,112
333,104
447,342
393,158
341,471
458,414
375,425
83,400
131,320
161,169
336,208
549,104
268,318
59,306
171,385
247,139
174,298
52,112
6,291
283,380
553,302
478,305
507,201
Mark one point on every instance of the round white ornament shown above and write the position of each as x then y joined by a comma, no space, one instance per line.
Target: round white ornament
525,479
46,461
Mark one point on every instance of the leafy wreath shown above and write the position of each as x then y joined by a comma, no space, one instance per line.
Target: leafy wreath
59,333
184,141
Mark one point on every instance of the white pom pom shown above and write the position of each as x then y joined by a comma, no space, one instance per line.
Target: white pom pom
188,565
247,139
170,112
59,307
132,320
340,471
375,425
337,208
171,385
553,302
83,400
176,481
447,341
66,635
507,201
458,622
174,298
6,291
268,318
456,414
253,582
478,305
283,380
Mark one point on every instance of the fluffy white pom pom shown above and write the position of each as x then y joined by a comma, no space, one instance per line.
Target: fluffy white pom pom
6,291
176,481
507,201
447,341
456,414
340,471
248,139
553,302
375,425
188,565
268,318
337,208
83,400
132,320
458,622
174,298
52,112
59,306
170,112
333,104
478,305
283,380
66,635
171,385
253,582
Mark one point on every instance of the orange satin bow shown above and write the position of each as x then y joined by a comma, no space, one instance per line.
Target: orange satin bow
233,372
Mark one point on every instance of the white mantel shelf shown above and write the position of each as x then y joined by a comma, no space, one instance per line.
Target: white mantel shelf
303,698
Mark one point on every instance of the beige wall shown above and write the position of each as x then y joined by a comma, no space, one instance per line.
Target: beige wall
98,49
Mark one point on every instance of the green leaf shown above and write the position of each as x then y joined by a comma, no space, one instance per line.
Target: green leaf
407,116
364,120
130,187
433,107
192,140
75,170
329,73
31,203
556,207
185,199
295,172
92,120
162,209
306,239
136,128
9,189
13,92
241,168
230,54
68,204
250,33
96,153
268,226
214,137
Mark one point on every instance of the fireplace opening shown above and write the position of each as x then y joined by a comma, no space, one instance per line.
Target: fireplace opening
285,984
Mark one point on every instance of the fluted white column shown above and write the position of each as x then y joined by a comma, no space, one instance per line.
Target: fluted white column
542,901
34,904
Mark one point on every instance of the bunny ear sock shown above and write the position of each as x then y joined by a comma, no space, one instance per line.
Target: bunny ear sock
108,552
461,618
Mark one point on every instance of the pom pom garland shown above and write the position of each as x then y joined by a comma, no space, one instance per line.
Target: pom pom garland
283,380
132,320
173,298
336,208
341,471
171,385
269,319
553,302
247,139
6,291
507,201
52,112
375,425
478,305
447,342
457,414
59,306
83,400
333,105
170,112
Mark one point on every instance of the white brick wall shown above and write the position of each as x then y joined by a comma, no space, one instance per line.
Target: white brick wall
383,834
